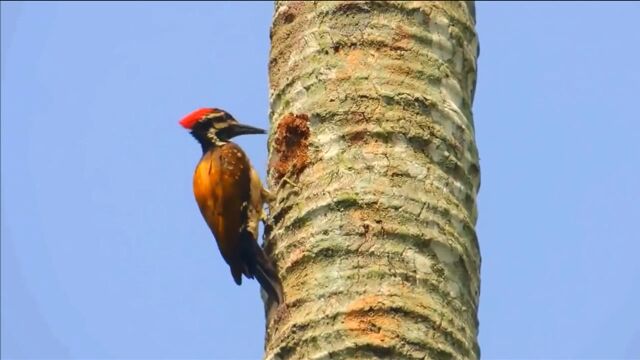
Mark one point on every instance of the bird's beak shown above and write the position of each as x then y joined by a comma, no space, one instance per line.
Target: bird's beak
241,129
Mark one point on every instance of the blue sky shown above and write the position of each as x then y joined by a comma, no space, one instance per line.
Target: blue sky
104,253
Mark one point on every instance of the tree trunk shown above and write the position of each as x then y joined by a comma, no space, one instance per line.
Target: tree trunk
373,160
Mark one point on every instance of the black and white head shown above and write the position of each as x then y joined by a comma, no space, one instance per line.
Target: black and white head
211,126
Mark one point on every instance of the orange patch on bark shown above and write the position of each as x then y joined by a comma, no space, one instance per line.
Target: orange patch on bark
353,61
401,38
297,254
356,137
292,10
291,146
366,318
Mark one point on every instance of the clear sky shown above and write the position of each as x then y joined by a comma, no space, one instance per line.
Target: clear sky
105,255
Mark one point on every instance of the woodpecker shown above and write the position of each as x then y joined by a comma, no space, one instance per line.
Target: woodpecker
230,196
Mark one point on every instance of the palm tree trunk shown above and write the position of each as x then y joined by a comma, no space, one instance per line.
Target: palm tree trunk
373,160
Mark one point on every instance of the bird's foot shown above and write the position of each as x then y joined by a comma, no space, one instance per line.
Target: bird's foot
286,180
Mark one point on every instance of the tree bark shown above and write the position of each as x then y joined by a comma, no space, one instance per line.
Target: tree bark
374,164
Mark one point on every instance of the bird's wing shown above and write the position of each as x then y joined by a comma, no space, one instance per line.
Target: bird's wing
221,187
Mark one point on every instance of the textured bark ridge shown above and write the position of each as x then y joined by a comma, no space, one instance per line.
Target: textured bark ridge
375,168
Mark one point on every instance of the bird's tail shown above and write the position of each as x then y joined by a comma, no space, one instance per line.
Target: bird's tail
264,271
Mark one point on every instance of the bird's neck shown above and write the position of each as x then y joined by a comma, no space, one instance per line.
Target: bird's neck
208,140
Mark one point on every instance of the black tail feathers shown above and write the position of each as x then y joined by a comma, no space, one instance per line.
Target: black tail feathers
270,284
262,268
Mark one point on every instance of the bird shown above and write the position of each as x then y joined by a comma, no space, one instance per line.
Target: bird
231,197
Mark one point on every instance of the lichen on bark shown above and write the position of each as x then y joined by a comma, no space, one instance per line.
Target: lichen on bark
374,162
